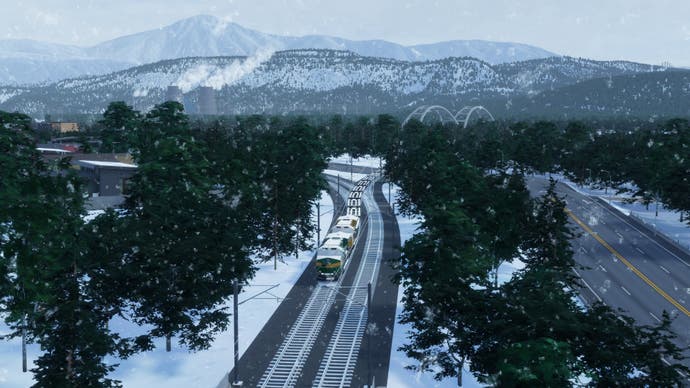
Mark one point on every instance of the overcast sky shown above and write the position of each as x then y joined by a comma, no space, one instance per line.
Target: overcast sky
651,31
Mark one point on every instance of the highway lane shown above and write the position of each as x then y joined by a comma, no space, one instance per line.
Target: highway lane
625,266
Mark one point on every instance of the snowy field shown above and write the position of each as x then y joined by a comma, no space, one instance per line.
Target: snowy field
180,368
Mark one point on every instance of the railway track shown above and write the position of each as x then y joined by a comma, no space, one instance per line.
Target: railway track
287,364
338,364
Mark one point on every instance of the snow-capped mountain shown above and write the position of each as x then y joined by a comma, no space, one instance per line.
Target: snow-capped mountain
199,36
491,52
280,82
312,81
536,75
204,35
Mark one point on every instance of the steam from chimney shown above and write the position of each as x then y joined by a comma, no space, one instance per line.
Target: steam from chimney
217,77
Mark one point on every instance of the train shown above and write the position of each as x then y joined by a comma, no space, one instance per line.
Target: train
337,246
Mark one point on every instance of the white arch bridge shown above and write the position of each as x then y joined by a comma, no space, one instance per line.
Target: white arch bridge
446,117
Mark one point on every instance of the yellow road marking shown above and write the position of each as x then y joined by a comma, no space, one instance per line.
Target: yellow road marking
628,264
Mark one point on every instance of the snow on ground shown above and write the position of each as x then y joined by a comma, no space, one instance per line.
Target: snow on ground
345,175
364,161
180,368
398,376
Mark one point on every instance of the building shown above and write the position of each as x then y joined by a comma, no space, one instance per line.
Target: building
64,127
55,149
207,101
174,93
105,178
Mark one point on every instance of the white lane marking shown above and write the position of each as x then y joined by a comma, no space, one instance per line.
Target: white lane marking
665,270
619,235
586,201
639,250
626,291
602,268
644,234
655,317
588,286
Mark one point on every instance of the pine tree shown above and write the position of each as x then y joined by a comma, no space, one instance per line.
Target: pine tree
288,160
45,265
185,242
119,120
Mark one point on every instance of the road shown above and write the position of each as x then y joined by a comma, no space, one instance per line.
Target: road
625,265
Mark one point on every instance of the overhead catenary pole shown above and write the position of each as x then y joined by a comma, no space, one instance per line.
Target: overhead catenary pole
24,367
369,334
389,193
351,180
236,376
318,223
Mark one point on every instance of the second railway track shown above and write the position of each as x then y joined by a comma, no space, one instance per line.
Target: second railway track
337,366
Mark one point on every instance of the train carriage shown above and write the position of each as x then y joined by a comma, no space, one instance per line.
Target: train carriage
332,255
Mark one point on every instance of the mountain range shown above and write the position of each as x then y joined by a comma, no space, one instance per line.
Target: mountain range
24,62
332,81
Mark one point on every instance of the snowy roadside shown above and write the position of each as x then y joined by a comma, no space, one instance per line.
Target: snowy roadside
180,368
667,222
398,376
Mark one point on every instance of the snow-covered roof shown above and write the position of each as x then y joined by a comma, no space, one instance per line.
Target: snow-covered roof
332,244
100,163
338,235
58,150
348,217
